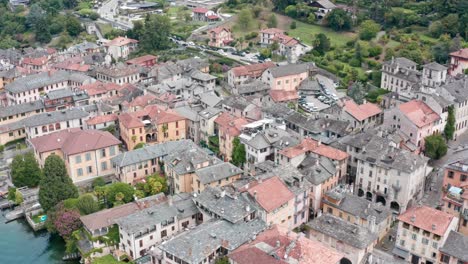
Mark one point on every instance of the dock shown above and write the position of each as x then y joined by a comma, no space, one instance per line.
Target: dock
71,256
6,204
13,215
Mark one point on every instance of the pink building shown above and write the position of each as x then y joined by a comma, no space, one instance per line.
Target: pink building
458,62
219,37
415,120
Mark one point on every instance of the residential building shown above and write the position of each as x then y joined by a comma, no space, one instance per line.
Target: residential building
87,153
102,122
399,74
324,7
35,64
99,91
394,177
208,241
277,246
244,74
31,87
120,47
275,201
362,116
207,122
322,129
453,250
143,230
13,113
204,15
457,93
286,78
268,35
458,62
144,61
228,127
415,120
62,99
135,165
192,169
422,231
352,240
46,123
219,37
455,174
357,210
118,74
100,223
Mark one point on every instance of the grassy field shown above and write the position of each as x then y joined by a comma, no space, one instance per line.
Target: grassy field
307,32
105,28
108,259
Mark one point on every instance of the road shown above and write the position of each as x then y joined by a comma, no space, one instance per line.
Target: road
108,10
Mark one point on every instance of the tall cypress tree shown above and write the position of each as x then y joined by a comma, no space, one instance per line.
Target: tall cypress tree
449,129
56,185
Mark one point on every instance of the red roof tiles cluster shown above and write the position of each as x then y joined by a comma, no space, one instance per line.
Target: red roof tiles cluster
74,141
142,60
428,219
419,113
36,61
120,41
283,96
101,119
310,145
230,124
200,10
463,53
271,193
252,70
361,112
99,88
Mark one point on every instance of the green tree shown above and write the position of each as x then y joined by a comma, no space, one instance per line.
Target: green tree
73,26
449,129
55,185
139,145
119,192
25,170
291,11
99,181
41,29
272,21
11,194
368,29
357,92
435,146
87,204
338,20
238,152
156,33
440,52
244,19
293,25
36,14
321,43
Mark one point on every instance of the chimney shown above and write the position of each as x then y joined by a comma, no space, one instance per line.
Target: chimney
433,227
413,219
319,143
223,193
372,223
278,243
255,195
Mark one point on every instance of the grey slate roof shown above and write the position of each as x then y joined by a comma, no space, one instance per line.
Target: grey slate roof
195,245
149,152
21,108
54,117
217,172
187,112
456,245
141,221
210,112
60,93
351,234
402,61
289,69
232,207
317,170
210,99
310,85
435,66
326,4
361,207
185,160
290,175
236,102
198,75
42,79
458,89
253,87
266,138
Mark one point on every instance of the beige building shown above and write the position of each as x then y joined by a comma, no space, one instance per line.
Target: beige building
121,47
421,233
87,153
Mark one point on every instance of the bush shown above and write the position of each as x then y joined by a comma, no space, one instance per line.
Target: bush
293,25
355,62
375,50
435,146
2,148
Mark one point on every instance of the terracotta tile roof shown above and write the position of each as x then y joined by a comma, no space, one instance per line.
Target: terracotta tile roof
361,112
272,31
52,141
283,96
306,145
299,249
36,61
130,121
271,193
161,116
252,70
72,66
142,59
230,124
74,141
200,10
427,218
120,41
286,40
213,17
101,119
310,145
142,100
217,30
167,97
419,113
99,88
463,53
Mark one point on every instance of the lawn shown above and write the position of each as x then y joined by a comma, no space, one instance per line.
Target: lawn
307,32
107,259
104,27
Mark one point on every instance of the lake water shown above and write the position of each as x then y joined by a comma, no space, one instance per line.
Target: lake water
19,244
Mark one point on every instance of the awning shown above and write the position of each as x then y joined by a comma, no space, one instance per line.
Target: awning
400,252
